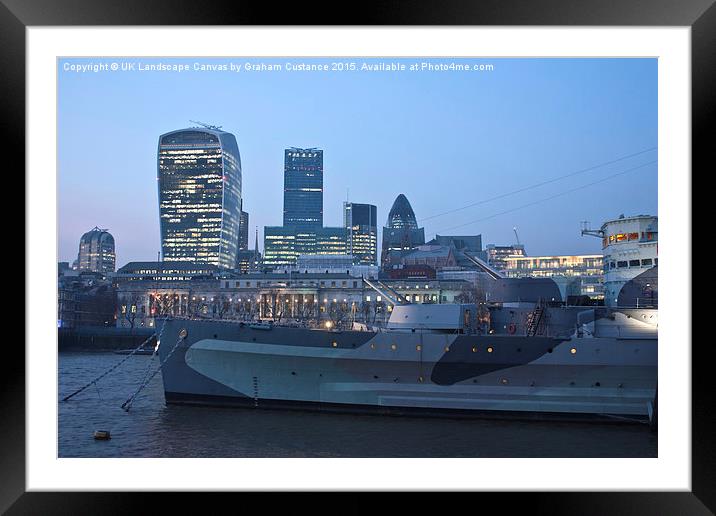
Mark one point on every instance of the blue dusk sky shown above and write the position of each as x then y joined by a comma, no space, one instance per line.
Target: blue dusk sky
446,139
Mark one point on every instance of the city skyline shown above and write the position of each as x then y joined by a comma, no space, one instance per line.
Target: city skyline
579,113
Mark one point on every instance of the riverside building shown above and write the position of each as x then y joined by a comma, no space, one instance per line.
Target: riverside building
578,275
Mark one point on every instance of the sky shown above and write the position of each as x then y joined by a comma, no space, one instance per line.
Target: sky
447,139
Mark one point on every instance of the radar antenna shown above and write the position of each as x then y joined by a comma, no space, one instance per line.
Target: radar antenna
208,126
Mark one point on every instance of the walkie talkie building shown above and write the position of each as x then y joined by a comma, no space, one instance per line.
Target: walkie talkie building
199,176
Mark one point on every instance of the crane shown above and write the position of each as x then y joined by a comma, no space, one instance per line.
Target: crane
516,236
208,126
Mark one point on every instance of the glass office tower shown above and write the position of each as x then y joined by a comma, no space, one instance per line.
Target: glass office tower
199,177
401,232
362,228
96,252
244,231
303,188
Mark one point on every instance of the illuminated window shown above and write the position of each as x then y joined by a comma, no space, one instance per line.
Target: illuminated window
393,347
489,349
573,351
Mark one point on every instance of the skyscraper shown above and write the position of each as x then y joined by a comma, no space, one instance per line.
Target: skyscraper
401,232
199,177
96,252
244,231
303,188
362,228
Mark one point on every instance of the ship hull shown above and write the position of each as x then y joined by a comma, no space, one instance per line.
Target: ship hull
227,364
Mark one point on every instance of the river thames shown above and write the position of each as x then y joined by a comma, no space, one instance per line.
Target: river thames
153,429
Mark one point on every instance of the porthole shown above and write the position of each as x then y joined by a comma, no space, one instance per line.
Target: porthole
372,346
418,347
504,381
420,378
334,344
393,347
447,348
573,351
474,349
489,349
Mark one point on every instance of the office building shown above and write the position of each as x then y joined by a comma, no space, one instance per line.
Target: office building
360,221
401,233
303,188
199,182
583,273
243,231
283,245
497,254
96,252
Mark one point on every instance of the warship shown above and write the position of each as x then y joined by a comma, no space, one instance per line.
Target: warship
529,352
510,358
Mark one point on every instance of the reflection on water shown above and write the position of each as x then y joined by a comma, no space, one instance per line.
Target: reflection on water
152,429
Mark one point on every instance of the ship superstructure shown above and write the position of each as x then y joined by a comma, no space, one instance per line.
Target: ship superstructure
630,249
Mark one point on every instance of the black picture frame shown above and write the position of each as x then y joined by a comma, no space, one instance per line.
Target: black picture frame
700,15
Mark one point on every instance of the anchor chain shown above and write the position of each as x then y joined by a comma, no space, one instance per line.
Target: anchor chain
94,382
128,404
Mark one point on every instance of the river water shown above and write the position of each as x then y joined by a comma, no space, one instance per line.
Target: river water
153,429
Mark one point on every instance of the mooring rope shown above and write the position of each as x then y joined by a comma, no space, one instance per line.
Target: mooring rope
94,382
128,404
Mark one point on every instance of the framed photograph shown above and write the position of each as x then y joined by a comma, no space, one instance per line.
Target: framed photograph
359,228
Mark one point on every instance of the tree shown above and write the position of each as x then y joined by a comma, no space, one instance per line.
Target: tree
129,309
